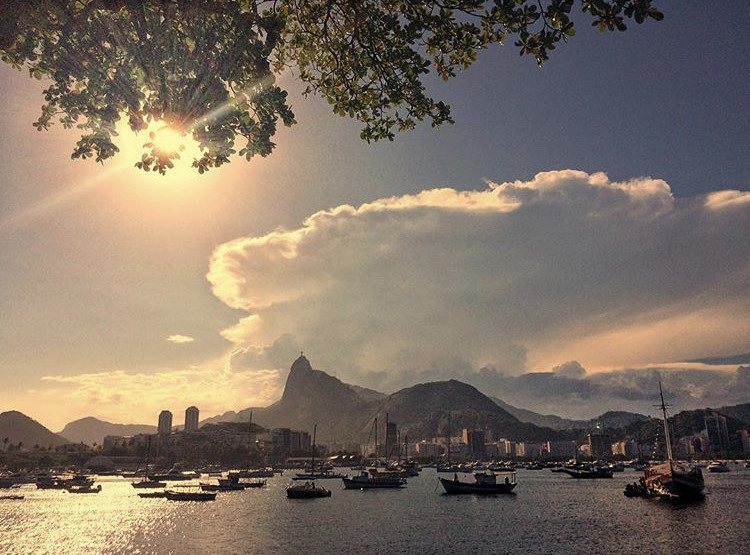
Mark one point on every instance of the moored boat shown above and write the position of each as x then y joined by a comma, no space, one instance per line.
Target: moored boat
483,484
588,471
153,494
670,480
308,490
368,480
174,495
718,467
84,489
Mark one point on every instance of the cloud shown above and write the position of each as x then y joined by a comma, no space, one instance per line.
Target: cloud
119,396
566,266
180,339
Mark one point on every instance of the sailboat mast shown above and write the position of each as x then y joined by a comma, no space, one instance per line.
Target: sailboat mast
315,430
449,439
376,441
667,438
386,439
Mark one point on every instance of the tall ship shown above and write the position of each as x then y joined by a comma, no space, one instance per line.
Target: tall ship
670,480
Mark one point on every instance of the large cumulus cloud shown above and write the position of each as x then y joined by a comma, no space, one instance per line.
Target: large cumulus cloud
518,276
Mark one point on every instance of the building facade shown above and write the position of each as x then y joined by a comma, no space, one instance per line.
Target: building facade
165,422
191,419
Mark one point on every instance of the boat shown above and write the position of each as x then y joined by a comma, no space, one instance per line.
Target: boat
225,484
588,471
670,480
175,474
84,489
254,484
718,467
448,467
148,481
153,494
376,480
485,483
50,482
308,490
11,497
322,475
174,495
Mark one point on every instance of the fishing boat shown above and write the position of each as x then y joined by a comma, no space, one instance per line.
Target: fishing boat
376,480
485,483
225,484
670,480
718,467
11,497
184,495
308,490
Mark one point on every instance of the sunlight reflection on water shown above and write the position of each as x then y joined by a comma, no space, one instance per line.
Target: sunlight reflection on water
550,514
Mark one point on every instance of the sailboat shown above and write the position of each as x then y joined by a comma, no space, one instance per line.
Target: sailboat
448,467
308,490
671,480
148,482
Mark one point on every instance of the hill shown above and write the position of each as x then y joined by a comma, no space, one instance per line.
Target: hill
610,419
91,430
740,412
314,397
422,412
19,428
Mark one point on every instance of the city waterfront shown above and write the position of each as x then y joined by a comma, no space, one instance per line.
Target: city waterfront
550,513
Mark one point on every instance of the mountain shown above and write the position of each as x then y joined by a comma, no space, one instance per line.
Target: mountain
314,397
421,412
610,419
740,412
18,427
91,430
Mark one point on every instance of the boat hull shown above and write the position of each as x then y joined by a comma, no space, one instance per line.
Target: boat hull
454,487
373,484
307,493
588,474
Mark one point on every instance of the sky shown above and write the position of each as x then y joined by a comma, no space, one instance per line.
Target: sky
581,226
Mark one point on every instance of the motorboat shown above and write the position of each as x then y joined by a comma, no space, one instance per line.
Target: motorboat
308,490
368,480
485,483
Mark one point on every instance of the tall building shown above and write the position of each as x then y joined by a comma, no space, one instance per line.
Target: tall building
165,422
600,446
191,419
474,439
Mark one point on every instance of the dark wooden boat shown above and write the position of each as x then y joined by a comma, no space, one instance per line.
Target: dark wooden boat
84,489
173,495
254,484
484,484
308,490
153,494
589,472
11,497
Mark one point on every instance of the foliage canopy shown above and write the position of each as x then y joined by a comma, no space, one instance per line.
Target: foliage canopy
207,67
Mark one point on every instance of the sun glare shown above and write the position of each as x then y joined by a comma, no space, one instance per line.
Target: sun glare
169,140
166,139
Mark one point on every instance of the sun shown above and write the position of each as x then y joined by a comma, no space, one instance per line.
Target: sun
168,140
